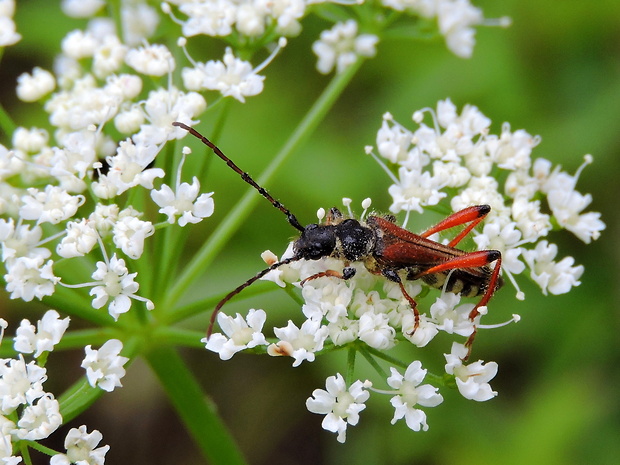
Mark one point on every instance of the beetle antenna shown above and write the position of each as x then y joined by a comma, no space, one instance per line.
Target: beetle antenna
245,176
236,291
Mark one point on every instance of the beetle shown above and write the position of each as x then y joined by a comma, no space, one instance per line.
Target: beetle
385,249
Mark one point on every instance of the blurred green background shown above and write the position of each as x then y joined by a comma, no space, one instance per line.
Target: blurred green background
555,72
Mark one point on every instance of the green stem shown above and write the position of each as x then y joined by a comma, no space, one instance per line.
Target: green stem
370,359
235,218
41,448
7,125
179,337
350,365
77,399
195,409
382,355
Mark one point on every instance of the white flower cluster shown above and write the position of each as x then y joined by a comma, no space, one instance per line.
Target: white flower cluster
28,412
452,159
250,18
340,46
339,312
87,164
457,156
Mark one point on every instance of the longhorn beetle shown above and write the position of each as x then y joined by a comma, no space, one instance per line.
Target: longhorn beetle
385,249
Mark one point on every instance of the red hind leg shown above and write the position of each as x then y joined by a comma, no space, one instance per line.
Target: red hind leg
472,215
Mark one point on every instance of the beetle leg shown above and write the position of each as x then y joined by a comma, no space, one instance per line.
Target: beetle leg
393,276
347,273
472,215
473,260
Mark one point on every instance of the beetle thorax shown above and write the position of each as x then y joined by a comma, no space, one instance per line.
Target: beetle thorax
347,239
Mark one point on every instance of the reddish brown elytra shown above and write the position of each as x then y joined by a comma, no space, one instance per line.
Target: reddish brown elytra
385,249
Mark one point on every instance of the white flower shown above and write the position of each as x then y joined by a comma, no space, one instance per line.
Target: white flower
104,367
152,60
129,168
512,150
71,163
79,44
184,202
504,239
8,35
283,274
52,205
393,142
326,297
529,219
213,18
341,406
126,86
82,448
374,330
343,330
414,190
425,332
105,217
129,234
480,190
410,393
161,109
6,448
460,128
232,77
35,86
81,8
48,333
299,343
39,420
108,56
567,207
21,241
117,285
31,140
129,121
10,164
250,18
449,317
20,383
82,104
340,46
3,326
30,277
139,22
555,277
455,18
286,12
242,334
472,380
80,239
